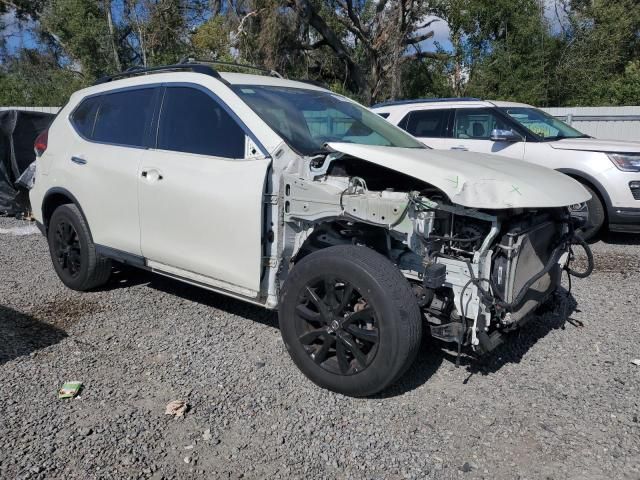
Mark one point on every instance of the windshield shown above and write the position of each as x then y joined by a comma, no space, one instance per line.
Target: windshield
542,124
307,119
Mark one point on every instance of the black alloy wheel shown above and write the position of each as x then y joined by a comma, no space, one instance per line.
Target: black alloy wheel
337,326
67,249
349,319
73,252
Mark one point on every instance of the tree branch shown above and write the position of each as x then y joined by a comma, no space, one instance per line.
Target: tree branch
419,38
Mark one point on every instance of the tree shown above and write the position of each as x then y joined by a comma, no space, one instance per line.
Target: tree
602,43
80,29
360,46
34,78
508,53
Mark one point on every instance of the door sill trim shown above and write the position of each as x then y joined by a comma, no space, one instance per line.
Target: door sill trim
203,280
206,286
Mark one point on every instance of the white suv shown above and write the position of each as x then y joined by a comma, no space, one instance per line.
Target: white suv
609,169
288,196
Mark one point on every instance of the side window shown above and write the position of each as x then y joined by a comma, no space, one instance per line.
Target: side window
384,114
123,117
476,123
426,123
84,116
193,122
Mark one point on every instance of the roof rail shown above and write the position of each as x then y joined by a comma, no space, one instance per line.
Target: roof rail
195,61
315,83
424,100
134,71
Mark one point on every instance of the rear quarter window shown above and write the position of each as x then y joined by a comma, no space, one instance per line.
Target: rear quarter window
124,117
83,117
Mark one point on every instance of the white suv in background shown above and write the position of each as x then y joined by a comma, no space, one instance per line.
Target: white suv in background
609,169
288,196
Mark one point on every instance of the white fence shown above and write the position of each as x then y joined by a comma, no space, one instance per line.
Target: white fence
33,109
610,123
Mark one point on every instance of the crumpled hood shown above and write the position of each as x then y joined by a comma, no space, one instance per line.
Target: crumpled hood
476,180
596,145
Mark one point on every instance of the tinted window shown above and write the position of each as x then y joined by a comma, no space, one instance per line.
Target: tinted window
193,122
384,115
477,123
427,123
123,117
84,116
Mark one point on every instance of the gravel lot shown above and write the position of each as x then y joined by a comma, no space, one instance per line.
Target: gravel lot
560,400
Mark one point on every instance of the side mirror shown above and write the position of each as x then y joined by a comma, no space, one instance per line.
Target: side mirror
505,136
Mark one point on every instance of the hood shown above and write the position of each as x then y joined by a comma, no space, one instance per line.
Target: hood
476,180
596,145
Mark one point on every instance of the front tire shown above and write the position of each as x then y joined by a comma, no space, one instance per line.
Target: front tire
349,320
597,215
73,252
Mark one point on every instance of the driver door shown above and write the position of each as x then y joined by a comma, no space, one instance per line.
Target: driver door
472,132
201,198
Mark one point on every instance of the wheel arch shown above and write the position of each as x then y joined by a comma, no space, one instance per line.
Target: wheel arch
328,233
595,185
54,198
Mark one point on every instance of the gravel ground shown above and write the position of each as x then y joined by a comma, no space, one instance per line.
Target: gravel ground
559,400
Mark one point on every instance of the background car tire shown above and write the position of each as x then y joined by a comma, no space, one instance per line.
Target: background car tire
74,258
397,321
597,215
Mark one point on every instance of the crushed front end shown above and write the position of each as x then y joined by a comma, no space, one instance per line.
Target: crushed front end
476,273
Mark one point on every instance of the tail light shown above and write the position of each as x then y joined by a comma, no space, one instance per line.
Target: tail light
41,143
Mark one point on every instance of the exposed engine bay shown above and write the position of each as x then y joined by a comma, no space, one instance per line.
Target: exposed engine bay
476,273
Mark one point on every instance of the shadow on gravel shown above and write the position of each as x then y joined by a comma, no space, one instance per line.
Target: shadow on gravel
124,276
428,361
519,342
214,300
612,238
433,353
22,334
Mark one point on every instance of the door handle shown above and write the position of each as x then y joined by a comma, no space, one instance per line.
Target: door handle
151,175
460,148
78,160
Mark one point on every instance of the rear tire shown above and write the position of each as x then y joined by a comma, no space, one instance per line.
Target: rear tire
597,215
73,252
350,320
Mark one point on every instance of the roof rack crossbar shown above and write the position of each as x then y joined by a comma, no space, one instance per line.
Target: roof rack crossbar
425,100
191,60
134,71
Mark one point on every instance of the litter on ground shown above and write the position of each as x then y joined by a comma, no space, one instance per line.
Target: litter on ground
177,408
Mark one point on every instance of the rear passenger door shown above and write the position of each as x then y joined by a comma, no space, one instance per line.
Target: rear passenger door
201,196
113,129
429,126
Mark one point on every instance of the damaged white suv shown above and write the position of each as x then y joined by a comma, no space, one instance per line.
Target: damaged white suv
286,195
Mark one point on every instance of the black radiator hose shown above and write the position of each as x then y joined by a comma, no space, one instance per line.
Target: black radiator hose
576,240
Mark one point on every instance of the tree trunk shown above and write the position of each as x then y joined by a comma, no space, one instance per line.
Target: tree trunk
356,80
116,57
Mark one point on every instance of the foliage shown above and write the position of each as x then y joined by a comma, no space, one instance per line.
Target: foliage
368,49
34,79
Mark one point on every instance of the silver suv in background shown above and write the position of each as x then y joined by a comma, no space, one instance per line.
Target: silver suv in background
608,169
